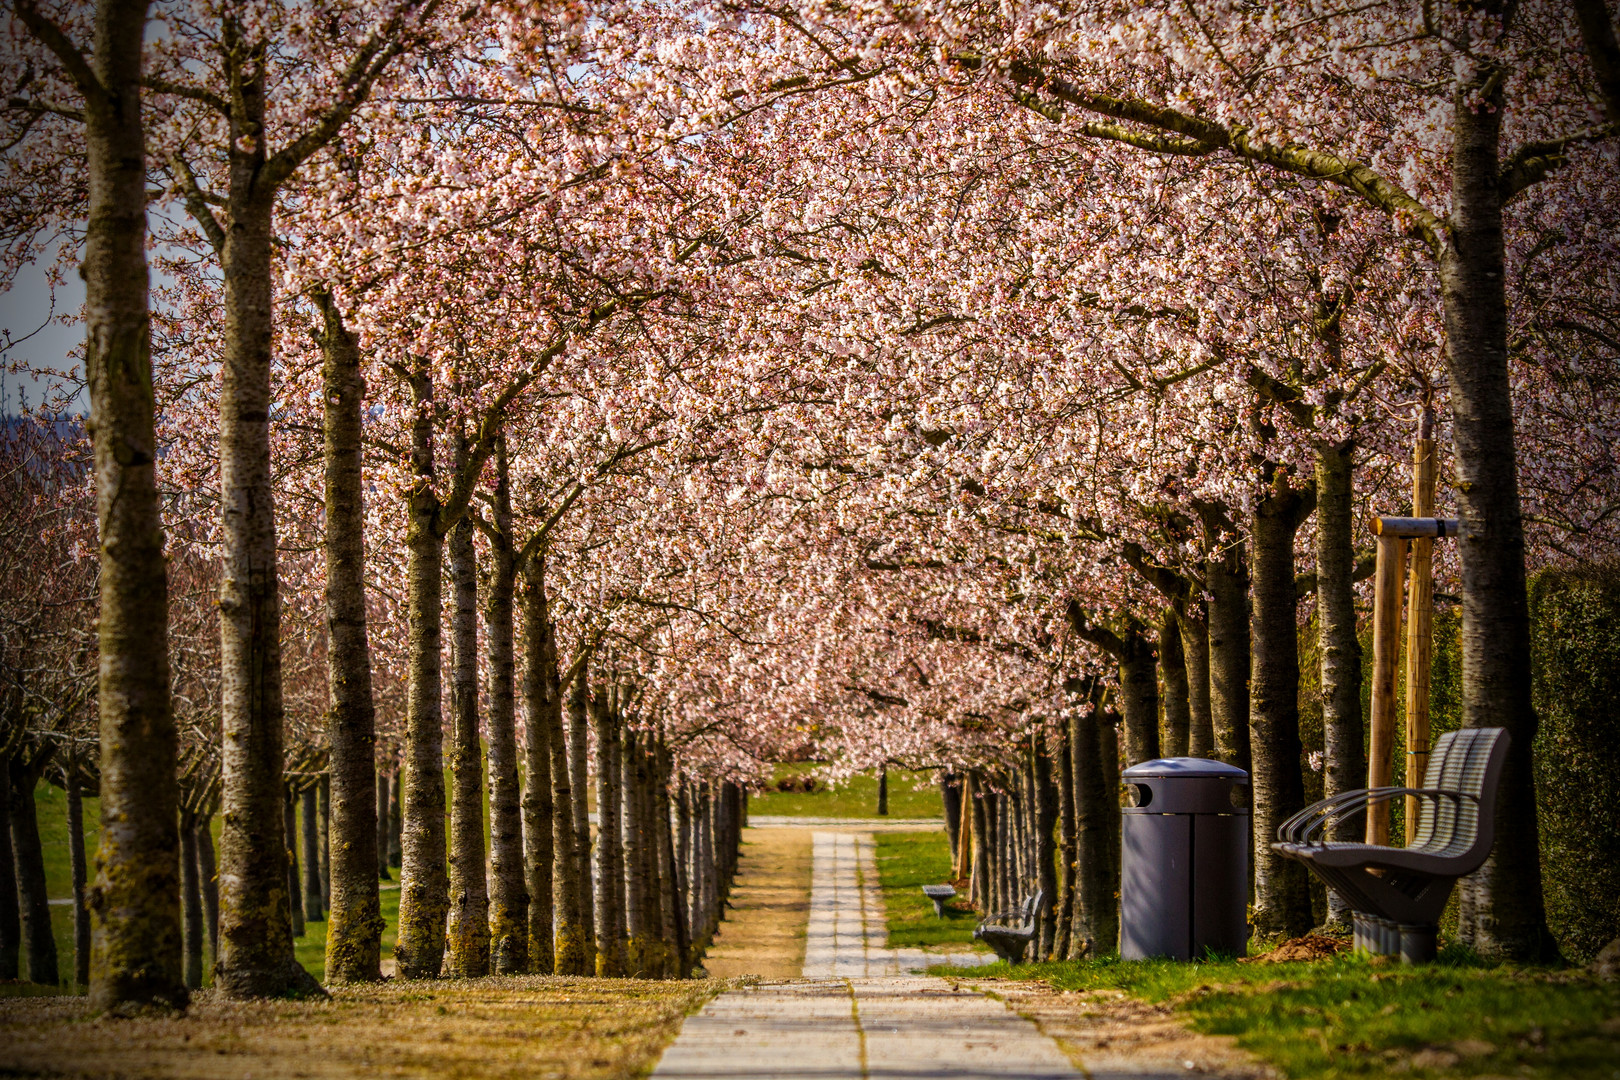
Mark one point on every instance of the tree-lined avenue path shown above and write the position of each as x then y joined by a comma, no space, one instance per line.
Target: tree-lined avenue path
861,1012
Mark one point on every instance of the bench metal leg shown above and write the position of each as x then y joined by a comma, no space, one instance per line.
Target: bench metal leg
1376,935
1418,945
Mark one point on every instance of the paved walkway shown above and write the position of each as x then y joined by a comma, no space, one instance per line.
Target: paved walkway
856,1015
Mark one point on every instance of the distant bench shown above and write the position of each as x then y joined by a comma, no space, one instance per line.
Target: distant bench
939,894
1010,933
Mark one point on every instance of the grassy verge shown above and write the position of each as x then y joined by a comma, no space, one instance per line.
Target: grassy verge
475,1028
911,795
51,806
906,862
1356,1017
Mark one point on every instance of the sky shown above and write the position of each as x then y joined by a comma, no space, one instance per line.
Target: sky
26,310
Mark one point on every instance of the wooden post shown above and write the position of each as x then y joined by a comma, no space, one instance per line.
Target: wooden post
1420,621
1390,569
964,830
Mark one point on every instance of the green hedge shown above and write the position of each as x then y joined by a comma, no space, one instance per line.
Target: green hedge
1575,627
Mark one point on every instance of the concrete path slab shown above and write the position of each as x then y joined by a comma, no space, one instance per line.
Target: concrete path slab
856,1015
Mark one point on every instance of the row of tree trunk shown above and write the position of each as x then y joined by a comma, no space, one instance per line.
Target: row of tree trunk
1049,825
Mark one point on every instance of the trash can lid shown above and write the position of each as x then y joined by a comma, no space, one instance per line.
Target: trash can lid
1185,767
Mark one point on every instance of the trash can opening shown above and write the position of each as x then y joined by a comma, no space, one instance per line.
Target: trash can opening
1138,794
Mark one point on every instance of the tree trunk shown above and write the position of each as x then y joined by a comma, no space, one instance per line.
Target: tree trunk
324,794
980,883
424,886
950,795
396,817
295,895
10,924
38,940
1344,750
1065,894
1194,630
191,900
671,872
1096,926
550,892
1509,917
357,803
1282,900
1176,694
1229,655
707,880
509,895
135,903
208,873
683,860
579,787
610,945
883,790
314,910
385,787
630,834
1139,696
256,933
469,895
1046,813
76,861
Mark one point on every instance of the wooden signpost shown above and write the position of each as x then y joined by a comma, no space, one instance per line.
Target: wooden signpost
1394,535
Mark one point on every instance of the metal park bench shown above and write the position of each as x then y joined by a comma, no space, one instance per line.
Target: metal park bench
1010,933
939,894
1397,894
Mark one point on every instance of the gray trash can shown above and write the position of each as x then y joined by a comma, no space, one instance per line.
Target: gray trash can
1184,887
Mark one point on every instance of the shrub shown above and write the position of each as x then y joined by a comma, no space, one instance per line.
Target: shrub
1575,628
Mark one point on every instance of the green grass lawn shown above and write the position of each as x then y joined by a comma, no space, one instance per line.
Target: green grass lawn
856,798
51,805
1358,1017
905,863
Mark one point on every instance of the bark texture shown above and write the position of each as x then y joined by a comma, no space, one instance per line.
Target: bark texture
191,900
1282,902
33,901
1509,919
1046,877
357,853
135,902
1174,694
256,932
310,837
579,789
385,787
1228,579
1139,696
469,896
424,883
1344,755
1094,749
295,895
611,960
508,895
76,861
543,749
1193,625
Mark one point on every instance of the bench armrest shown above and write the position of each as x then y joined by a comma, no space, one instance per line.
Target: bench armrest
1300,828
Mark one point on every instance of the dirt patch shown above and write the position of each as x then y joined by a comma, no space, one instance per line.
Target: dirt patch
1309,947
763,933
1106,1030
513,1027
